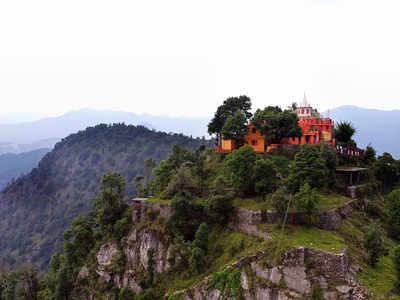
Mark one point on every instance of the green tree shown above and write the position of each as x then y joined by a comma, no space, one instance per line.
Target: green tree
183,183
328,155
307,201
126,294
393,213
369,156
228,108
79,241
109,204
280,202
308,167
197,260
220,208
264,176
373,244
64,283
140,186
201,237
276,124
150,265
386,171
344,131
185,219
396,261
241,162
235,127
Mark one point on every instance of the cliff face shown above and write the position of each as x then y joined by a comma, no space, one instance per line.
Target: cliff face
301,271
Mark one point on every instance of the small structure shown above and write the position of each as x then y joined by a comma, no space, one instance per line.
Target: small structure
137,202
352,178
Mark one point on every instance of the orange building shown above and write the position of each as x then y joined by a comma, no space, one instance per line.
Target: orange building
316,130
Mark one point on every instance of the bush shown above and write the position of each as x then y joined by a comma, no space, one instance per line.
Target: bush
393,213
308,167
280,202
201,238
126,294
220,208
197,260
241,162
264,177
307,201
373,244
317,293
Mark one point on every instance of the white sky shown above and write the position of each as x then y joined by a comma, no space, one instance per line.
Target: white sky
184,58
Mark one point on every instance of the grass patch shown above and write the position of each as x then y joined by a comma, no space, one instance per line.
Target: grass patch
312,237
328,201
253,203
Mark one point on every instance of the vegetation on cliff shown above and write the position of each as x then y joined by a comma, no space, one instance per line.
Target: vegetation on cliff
39,206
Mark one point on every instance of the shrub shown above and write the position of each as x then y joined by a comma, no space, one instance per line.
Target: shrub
126,294
220,208
373,244
307,200
280,202
201,238
197,260
393,213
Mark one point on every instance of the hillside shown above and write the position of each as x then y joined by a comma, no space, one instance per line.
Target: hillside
378,127
15,165
211,233
38,207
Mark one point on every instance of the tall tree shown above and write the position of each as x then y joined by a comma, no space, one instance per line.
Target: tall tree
228,108
344,131
235,127
308,167
276,124
386,171
241,162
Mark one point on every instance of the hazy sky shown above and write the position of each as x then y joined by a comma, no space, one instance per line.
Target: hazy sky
185,57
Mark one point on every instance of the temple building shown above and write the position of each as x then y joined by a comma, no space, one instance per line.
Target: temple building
316,130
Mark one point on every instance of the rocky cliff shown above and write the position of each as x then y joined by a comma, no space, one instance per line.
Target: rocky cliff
299,273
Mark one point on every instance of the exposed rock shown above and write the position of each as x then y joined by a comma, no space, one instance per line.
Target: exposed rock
137,245
83,273
296,279
104,260
246,221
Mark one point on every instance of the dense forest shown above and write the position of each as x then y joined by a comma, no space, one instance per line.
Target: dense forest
36,208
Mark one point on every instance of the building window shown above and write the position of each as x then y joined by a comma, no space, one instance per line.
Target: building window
302,111
254,142
308,111
254,130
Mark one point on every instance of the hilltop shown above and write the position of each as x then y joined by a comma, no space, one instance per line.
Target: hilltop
39,206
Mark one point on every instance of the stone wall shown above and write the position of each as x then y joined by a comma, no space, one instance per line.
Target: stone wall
246,221
301,268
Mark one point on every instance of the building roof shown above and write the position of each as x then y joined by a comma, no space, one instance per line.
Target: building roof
354,169
140,199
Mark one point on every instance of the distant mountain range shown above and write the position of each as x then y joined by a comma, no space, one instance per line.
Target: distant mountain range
60,127
379,128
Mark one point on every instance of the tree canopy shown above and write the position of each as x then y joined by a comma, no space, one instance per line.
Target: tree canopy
276,124
228,108
344,131
235,127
